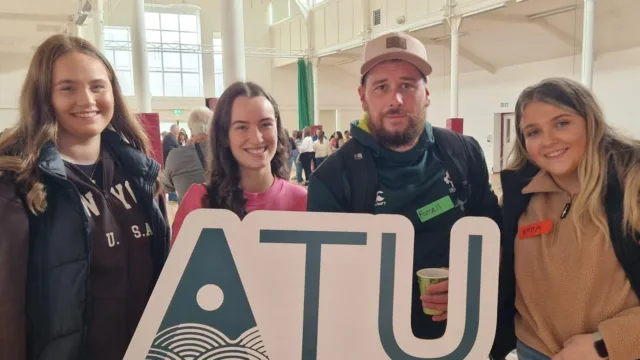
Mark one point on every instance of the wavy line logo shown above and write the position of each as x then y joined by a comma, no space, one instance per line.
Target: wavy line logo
201,342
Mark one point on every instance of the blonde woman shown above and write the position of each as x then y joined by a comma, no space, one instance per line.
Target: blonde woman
84,235
571,257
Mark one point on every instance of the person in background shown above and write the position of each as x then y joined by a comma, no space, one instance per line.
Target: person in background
187,165
162,135
170,142
332,142
293,150
182,139
84,233
339,140
298,138
398,163
306,153
249,170
347,135
577,180
321,148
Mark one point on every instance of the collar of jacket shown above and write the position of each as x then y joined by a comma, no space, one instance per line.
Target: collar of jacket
135,161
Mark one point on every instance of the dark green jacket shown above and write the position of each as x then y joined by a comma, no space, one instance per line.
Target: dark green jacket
408,183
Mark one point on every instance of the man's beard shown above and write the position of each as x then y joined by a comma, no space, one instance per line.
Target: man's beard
396,139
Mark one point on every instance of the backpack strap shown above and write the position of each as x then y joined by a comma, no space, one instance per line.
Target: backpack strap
361,176
200,155
458,160
625,246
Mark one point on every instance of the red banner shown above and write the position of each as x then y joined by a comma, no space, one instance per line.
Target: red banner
455,124
151,124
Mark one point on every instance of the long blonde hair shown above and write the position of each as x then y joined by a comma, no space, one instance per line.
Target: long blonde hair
37,124
606,149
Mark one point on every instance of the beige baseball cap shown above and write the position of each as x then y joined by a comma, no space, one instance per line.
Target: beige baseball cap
395,45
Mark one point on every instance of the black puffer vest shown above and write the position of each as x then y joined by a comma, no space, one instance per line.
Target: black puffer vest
59,287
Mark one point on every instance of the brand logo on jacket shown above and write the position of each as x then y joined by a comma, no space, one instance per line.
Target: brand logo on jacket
380,199
289,285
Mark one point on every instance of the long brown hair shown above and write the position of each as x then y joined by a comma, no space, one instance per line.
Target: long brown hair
607,149
223,188
37,124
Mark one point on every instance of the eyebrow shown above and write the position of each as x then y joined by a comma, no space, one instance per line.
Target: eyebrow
246,122
405,78
553,119
69,81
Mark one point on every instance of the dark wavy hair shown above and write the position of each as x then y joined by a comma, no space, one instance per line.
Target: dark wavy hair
223,187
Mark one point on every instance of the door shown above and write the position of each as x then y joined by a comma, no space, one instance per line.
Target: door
508,136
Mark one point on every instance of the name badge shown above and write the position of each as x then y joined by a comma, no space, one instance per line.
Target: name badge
436,208
535,229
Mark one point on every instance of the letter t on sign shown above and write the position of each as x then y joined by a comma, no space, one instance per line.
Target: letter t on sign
314,241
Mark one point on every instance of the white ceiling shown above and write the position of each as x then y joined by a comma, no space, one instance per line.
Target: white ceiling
507,36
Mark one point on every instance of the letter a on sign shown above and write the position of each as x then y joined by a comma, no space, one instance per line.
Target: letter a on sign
277,286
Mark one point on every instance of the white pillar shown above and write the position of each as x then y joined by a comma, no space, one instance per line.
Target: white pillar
454,22
98,24
588,43
316,107
366,20
232,33
337,120
140,59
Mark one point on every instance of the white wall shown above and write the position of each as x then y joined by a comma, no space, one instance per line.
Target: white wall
616,85
13,69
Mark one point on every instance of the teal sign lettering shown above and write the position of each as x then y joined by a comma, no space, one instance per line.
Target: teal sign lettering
257,289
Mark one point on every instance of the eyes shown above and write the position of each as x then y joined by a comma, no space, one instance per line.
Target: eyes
71,88
536,131
386,87
265,124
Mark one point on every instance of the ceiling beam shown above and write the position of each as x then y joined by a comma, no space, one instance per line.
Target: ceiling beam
559,34
466,54
35,17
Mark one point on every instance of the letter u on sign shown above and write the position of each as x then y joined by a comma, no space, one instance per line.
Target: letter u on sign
268,288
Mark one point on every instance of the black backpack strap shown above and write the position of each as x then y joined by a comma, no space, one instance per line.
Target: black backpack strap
361,175
625,246
459,163
200,155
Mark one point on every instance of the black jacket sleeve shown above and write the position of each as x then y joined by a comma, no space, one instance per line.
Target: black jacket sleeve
14,254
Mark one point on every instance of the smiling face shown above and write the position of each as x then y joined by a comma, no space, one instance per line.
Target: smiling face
253,134
555,138
396,98
81,95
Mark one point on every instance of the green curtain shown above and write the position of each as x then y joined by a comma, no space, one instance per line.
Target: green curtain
305,94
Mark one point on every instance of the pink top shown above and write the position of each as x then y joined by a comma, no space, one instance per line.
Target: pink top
281,196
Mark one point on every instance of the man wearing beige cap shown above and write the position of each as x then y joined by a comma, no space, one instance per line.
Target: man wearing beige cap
397,163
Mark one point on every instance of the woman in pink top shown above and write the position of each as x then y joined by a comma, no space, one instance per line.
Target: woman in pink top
247,159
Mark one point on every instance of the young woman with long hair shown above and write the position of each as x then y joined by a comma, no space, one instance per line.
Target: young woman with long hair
248,158
84,236
571,258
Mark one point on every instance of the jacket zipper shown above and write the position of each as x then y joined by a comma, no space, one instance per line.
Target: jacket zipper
563,215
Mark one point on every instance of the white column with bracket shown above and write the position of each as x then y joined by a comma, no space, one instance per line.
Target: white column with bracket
232,33
140,60
98,24
454,20
588,42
